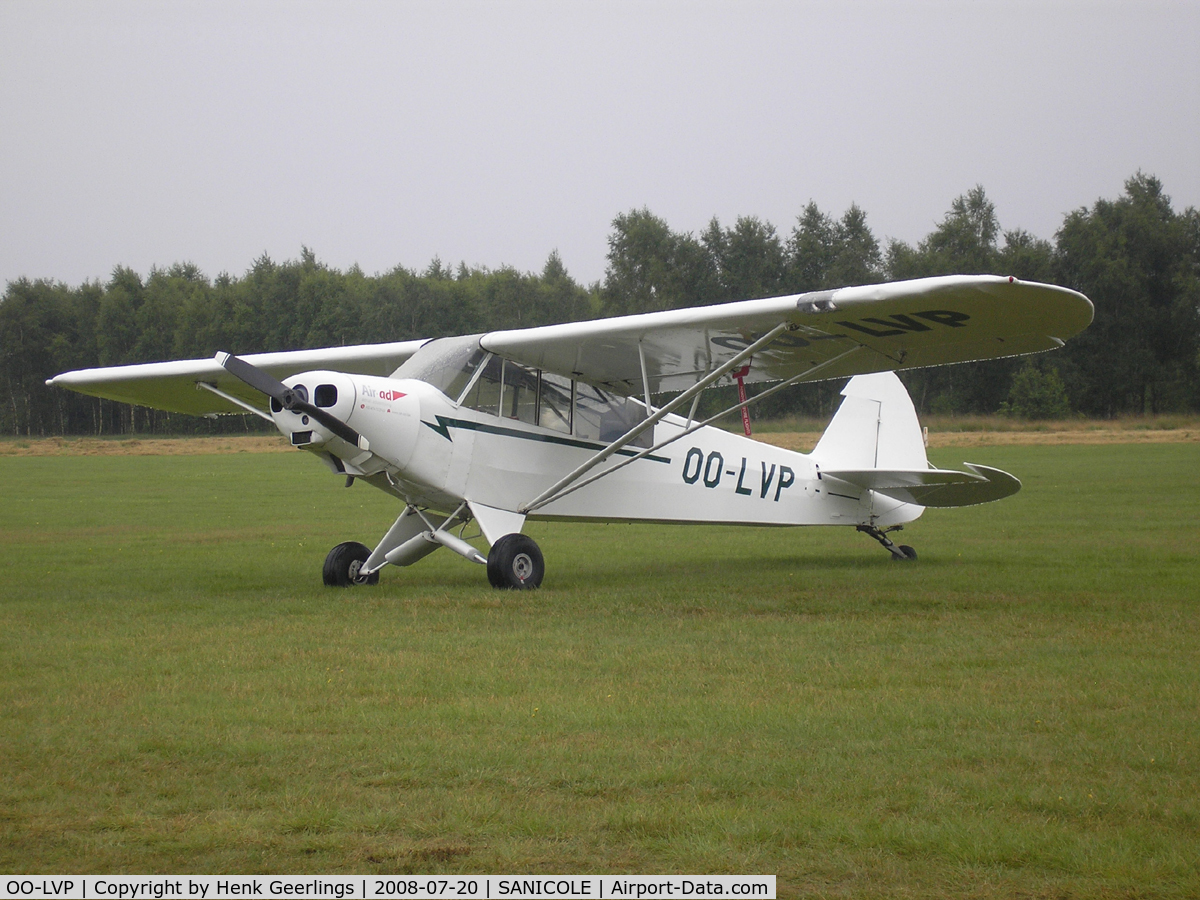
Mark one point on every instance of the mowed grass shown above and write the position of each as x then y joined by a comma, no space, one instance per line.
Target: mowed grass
1016,714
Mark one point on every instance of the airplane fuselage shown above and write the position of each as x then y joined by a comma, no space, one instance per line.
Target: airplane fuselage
435,453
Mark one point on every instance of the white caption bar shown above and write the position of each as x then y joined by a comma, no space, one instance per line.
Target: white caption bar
324,887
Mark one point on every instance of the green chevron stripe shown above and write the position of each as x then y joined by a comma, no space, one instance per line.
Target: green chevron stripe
444,425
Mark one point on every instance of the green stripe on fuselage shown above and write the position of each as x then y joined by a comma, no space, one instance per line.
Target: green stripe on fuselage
444,425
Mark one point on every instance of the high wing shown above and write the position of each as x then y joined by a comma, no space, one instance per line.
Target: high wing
174,386
829,334
901,325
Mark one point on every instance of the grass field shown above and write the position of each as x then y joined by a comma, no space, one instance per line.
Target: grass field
1016,714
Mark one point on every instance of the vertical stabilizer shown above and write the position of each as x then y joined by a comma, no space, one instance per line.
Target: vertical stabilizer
876,427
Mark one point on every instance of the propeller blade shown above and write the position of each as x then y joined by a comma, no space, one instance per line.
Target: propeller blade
253,376
286,397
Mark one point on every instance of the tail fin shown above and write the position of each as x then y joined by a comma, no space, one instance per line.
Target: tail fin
876,427
875,443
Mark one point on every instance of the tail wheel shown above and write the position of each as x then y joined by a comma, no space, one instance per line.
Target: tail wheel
515,562
343,563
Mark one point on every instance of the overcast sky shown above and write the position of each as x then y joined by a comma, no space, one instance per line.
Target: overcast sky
384,134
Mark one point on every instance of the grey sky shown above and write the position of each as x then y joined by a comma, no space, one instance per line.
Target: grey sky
386,134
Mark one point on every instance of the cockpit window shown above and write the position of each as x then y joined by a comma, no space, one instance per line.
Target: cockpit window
484,392
554,403
446,363
325,395
520,396
602,416
476,379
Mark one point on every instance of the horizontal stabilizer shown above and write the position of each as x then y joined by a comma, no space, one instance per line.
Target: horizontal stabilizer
932,487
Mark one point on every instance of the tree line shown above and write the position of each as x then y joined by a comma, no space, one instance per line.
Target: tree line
1135,257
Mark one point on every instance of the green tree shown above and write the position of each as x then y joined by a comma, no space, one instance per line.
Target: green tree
562,299
1036,392
857,258
810,250
45,328
652,268
116,324
1139,262
748,258
823,254
1026,257
964,242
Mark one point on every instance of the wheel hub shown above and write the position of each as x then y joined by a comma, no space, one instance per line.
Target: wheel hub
522,566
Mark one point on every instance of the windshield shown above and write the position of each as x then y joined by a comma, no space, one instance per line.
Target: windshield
445,363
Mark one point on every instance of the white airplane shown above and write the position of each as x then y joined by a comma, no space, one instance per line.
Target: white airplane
562,421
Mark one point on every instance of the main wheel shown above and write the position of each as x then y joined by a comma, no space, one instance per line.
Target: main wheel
515,561
342,565
909,552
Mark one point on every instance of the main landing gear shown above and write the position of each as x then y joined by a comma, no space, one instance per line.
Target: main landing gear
901,553
343,564
515,562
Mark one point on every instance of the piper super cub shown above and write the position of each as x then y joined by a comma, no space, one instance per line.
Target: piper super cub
562,421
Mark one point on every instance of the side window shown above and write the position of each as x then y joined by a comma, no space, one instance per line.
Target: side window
512,391
590,404
485,393
520,393
554,411
462,377
600,416
625,414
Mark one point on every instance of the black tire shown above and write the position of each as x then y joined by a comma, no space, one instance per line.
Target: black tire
342,565
515,562
909,552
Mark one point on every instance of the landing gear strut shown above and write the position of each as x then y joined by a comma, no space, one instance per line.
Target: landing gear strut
901,553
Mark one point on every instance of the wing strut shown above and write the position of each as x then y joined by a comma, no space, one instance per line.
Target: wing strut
645,377
551,492
234,400
571,488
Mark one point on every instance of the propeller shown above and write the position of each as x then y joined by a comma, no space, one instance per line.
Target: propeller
289,399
